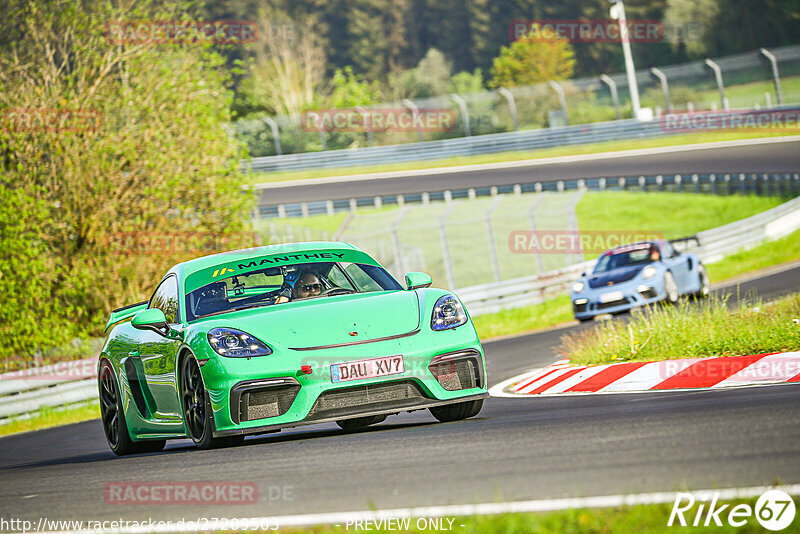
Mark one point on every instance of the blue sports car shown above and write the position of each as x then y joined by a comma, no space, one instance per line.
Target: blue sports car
634,275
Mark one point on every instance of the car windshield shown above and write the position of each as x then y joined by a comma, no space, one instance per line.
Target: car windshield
625,257
277,285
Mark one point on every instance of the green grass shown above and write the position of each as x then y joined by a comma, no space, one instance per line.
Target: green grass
50,417
746,95
651,518
549,313
671,214
594,148
683,331
782,250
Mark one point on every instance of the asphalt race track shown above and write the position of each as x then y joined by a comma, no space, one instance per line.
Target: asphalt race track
515,449
771,157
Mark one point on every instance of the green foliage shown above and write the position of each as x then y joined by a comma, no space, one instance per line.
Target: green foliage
29,317
684,13
466,82
155,158
350,90
531,60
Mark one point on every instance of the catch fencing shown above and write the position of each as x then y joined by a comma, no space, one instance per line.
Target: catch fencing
532,117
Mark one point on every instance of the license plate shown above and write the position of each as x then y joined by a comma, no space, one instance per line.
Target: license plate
611,297
371,368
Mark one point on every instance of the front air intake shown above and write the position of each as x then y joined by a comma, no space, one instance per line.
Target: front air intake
457,371
262,399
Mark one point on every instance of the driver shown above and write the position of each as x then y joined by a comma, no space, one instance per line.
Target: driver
308,285
303,286
655,255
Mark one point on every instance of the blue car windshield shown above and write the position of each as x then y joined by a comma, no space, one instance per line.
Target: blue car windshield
626,257
278,285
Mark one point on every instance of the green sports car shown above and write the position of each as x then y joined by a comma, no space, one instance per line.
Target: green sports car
256,340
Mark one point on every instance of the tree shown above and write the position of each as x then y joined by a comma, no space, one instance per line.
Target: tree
288,68
466,82
350,90
531,59
682,15
103,139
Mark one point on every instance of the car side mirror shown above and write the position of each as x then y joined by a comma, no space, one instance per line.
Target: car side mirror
151,319
418,280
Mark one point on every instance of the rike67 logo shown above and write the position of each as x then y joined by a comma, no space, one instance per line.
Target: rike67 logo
774,510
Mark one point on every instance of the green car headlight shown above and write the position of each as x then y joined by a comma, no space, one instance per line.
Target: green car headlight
233,343
448,313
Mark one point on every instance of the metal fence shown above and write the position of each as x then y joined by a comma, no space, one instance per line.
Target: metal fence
518,118
785,184
61,384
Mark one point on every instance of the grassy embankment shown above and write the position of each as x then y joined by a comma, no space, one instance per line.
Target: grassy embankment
685,331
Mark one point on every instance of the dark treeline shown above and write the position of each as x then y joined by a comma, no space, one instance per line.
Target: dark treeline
378,37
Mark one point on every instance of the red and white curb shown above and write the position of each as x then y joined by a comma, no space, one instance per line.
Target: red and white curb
698,373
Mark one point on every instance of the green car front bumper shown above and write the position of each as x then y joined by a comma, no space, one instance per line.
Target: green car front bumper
265,394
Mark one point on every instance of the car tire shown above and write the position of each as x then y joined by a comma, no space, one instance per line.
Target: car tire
670,288
112,416
196,409
457,412
705,283
360,422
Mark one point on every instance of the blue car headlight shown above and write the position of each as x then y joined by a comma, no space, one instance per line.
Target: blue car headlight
233,343
649,272
448,313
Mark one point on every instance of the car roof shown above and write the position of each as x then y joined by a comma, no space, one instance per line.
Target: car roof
187,267
639,244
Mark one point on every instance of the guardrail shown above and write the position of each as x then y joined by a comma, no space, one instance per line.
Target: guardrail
715,244
787,184
484,144
62,384
66,383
